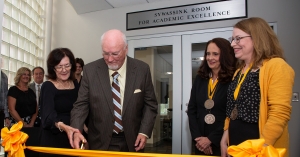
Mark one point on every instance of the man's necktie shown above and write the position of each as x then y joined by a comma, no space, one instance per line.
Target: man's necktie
117,103
39,91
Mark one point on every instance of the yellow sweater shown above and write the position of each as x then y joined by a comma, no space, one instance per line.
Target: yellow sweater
276,80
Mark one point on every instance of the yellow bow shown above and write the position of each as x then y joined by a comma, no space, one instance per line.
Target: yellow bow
255,148
13,140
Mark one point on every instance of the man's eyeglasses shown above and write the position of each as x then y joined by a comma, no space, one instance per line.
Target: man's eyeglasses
237,39
61,67
106,55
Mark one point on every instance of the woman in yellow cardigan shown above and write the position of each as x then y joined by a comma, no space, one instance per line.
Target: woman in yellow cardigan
259,97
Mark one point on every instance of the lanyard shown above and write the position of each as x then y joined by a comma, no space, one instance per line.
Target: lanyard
212,86
238,87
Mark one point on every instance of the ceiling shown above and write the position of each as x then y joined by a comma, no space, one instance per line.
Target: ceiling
87,6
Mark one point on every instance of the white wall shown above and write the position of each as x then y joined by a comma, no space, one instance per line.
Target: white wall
81,33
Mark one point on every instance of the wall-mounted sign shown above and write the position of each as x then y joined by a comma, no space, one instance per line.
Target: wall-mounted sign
193,13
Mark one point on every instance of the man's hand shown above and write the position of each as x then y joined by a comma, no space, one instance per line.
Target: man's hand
140,142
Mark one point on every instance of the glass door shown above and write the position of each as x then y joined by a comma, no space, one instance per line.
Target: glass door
163,55
193,47
174,59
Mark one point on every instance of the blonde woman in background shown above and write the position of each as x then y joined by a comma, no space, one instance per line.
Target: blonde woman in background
22,100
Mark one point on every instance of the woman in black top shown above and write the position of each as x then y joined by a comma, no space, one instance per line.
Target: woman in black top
58,95
206,109
79,67
22,100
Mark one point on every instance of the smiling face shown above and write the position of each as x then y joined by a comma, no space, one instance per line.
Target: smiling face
38,75
213,57
25,78
114,49
243,50
63,69
78,69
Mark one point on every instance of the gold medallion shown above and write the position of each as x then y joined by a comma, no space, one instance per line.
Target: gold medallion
209,119
209,104
234,113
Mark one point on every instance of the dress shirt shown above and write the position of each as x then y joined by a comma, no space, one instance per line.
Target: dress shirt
37,91
121,79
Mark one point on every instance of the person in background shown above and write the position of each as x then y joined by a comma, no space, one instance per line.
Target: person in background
4,115
22,100
79,67
119,119
58,95
207,105
259,97
38,79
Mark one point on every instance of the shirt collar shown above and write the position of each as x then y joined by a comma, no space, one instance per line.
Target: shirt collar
122,70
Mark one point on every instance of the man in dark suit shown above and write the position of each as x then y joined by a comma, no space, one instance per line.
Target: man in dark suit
36,85
108,129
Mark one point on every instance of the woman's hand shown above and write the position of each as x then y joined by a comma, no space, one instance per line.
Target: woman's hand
7,122
202,143
224,144
208,151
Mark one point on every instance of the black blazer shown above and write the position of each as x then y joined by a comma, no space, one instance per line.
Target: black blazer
197,111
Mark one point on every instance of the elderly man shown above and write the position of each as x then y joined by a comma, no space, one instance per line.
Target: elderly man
118,95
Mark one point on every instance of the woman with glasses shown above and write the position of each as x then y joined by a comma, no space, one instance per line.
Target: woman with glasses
21,100
206,109
259,97
58,95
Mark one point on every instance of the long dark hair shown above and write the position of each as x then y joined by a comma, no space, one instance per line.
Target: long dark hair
227,61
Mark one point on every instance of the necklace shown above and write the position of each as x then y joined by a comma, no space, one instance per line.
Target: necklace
68,86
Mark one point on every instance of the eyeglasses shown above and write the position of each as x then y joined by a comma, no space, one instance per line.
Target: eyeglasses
106,55
237,39
61,67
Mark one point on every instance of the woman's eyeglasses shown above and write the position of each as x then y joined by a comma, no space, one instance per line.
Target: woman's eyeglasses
61,67
237,39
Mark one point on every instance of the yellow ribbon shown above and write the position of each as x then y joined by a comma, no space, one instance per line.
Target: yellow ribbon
13,140
240,81
14,143
255,148
211,86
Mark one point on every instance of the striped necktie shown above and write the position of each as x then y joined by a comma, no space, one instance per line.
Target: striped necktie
117,103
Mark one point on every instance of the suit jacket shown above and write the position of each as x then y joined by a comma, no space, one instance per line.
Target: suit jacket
3,95
32,86
95,99
197,111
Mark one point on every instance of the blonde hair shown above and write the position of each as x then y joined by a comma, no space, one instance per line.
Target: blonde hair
265,42
19,73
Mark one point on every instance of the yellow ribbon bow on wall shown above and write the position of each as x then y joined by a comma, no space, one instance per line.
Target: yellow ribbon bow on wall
14,140
255,148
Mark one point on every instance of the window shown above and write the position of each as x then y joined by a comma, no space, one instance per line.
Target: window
23,32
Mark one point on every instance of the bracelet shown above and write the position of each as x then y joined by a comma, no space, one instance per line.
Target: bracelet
61,130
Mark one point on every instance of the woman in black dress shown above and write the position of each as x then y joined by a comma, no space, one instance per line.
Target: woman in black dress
58,95
79,66
206,109
22,100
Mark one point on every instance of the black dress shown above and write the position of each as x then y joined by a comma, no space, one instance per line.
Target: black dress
56,106
25,103
245,126
197,112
